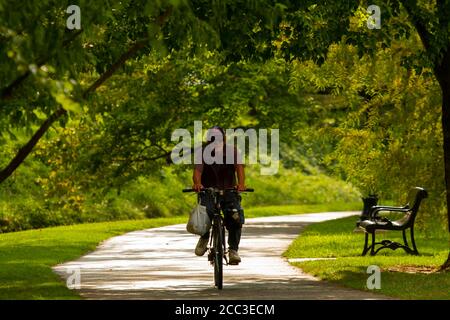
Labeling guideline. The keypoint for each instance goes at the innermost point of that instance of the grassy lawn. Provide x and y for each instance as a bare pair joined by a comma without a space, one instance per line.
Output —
334,239
300,208
26,257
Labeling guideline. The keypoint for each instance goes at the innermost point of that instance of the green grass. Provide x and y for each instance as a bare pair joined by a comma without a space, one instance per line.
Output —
26,257
334,239
301,208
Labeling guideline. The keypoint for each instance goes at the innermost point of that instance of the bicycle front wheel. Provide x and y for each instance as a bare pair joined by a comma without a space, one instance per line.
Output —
218,253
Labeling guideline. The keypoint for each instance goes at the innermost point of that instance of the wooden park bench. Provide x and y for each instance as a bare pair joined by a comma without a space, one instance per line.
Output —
375,222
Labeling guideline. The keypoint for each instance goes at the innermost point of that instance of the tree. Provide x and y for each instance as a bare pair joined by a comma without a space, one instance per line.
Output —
433,26
33,44
240,30
327,22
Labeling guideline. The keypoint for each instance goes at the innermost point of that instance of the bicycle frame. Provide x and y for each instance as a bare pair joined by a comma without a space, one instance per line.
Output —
217,223
217,244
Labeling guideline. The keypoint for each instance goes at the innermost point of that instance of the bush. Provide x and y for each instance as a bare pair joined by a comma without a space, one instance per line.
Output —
290,186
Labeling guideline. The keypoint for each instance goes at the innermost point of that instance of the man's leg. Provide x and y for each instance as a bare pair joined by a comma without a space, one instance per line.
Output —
234,237
234,219
202,244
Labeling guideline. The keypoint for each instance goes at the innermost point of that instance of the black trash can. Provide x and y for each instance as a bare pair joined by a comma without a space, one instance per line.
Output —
369,202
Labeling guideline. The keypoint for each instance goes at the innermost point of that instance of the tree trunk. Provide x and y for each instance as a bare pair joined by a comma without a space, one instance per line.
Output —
446,265
442,72
446,130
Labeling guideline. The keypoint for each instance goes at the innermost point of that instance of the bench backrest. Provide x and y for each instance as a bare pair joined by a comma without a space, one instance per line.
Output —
415,197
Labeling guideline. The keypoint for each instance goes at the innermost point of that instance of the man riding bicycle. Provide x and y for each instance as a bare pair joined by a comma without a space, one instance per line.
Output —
222,175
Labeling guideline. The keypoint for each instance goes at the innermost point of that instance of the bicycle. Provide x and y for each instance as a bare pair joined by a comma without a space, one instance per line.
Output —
217,252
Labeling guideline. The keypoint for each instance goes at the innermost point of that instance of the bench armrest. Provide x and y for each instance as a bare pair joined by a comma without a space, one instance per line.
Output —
376,209
385,207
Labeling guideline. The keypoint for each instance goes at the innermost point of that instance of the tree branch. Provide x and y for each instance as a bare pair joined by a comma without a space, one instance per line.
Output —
412,9
140,159
127,55
28,147
7,92
116,65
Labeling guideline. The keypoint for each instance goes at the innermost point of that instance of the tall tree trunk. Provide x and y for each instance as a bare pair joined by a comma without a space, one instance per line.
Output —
442,72
446,130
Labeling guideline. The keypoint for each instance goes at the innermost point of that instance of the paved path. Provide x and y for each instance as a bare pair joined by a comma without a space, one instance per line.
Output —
160,264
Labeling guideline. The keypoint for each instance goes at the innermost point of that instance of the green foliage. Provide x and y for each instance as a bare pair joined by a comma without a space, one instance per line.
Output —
384,123
43,65
57,197
356,102
290,186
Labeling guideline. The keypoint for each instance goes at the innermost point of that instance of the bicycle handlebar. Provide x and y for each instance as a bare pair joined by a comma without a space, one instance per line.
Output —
227,189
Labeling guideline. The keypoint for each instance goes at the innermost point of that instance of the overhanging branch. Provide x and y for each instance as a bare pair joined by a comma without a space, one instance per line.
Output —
28,147
412,10
8,91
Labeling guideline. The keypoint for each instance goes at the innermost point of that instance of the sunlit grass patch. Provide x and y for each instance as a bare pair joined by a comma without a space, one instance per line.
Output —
335,238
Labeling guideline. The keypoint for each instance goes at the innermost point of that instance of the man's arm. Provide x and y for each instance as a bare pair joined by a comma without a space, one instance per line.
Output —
240,170
197,177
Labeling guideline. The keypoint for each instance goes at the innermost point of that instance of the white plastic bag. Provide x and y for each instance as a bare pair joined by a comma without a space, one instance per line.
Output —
199,222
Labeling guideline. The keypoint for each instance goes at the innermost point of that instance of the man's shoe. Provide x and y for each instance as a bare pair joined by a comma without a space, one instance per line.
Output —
201,247
234,258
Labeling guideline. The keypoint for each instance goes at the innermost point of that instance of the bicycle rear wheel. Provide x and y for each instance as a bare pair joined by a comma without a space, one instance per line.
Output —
218,253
